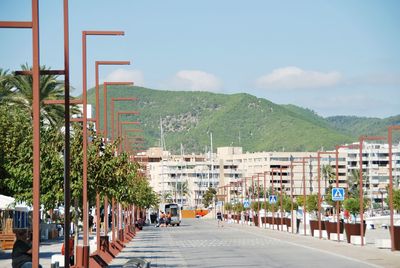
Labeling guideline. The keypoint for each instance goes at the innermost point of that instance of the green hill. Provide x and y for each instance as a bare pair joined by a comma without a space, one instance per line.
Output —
357,126
235,120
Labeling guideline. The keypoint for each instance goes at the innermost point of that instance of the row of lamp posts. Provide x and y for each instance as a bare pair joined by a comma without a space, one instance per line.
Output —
303,160
83,251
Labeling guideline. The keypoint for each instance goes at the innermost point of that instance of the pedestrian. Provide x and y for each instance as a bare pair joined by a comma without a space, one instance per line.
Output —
22,250
71,249
91,221
219,218
168,220
162,219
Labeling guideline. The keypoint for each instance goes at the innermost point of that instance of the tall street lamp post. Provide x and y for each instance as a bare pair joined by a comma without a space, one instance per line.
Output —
97,120
85,249
113,100
361,141
35,73
337,185
281,192
319,190
390,139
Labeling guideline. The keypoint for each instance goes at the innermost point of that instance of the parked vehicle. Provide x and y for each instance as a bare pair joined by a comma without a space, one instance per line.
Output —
175,211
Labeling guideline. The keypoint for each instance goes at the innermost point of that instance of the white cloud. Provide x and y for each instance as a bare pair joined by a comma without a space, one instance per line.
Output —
124,75
195,80
292,77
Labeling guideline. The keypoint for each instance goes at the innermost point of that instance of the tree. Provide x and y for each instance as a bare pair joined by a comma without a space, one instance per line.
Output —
353,181
352,205
287,203
5,86
50,89
209,197
312,203
238,207
228,207
396,199
328,174
183,188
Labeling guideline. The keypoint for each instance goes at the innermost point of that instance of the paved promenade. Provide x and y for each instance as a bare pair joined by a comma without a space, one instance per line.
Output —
200,243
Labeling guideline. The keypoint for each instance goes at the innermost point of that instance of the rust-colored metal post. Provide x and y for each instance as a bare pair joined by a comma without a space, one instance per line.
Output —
337,185
105,85
281,199
97,64
98,220
361,142
390,138
67,146
258,200
304,196
319,193
291,194
112,112
265,199
118,116
361,192
85,142
273,205
105,127
36,133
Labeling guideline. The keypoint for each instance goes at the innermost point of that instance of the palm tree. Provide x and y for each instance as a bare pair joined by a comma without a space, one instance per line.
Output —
5,86
353,182
50,89
328,174
166,197
183,189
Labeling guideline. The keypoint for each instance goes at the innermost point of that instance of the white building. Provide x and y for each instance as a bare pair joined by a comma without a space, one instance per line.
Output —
230,166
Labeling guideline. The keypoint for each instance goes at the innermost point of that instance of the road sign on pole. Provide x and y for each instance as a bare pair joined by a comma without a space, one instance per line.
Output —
272,199
337,194
246,203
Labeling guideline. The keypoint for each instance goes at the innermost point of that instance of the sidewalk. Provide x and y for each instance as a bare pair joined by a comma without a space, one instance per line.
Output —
146,245
368,254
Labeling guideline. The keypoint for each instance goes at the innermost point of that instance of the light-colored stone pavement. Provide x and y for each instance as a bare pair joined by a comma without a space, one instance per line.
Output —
200,243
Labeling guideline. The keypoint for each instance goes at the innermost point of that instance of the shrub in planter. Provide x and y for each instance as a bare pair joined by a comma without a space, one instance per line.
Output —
238,208
352,204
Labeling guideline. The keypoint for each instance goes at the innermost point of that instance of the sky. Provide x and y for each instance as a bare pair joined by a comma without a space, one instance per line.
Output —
335,57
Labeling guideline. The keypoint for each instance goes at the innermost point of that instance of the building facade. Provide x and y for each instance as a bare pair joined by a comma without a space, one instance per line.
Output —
185,178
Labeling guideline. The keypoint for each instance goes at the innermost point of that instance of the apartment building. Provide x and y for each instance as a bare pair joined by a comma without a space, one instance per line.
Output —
231,170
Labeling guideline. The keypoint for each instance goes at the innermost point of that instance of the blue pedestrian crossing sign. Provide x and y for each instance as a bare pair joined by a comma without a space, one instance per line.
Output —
337,194
246,203
272,199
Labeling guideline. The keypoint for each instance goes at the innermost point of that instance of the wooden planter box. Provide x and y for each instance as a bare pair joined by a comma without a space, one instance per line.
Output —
314,226
396,237
353,229
255,218
331,227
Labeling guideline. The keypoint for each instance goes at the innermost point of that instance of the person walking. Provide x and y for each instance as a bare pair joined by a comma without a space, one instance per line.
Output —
219,218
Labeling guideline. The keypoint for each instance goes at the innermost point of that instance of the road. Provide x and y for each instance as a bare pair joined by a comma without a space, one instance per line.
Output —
200,243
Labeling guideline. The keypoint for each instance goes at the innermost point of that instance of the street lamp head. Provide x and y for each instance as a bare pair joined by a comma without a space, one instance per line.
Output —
118,83
85,33
112,62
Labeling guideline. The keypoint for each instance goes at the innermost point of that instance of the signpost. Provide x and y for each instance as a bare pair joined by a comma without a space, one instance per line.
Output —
337,194
246,203
272,199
